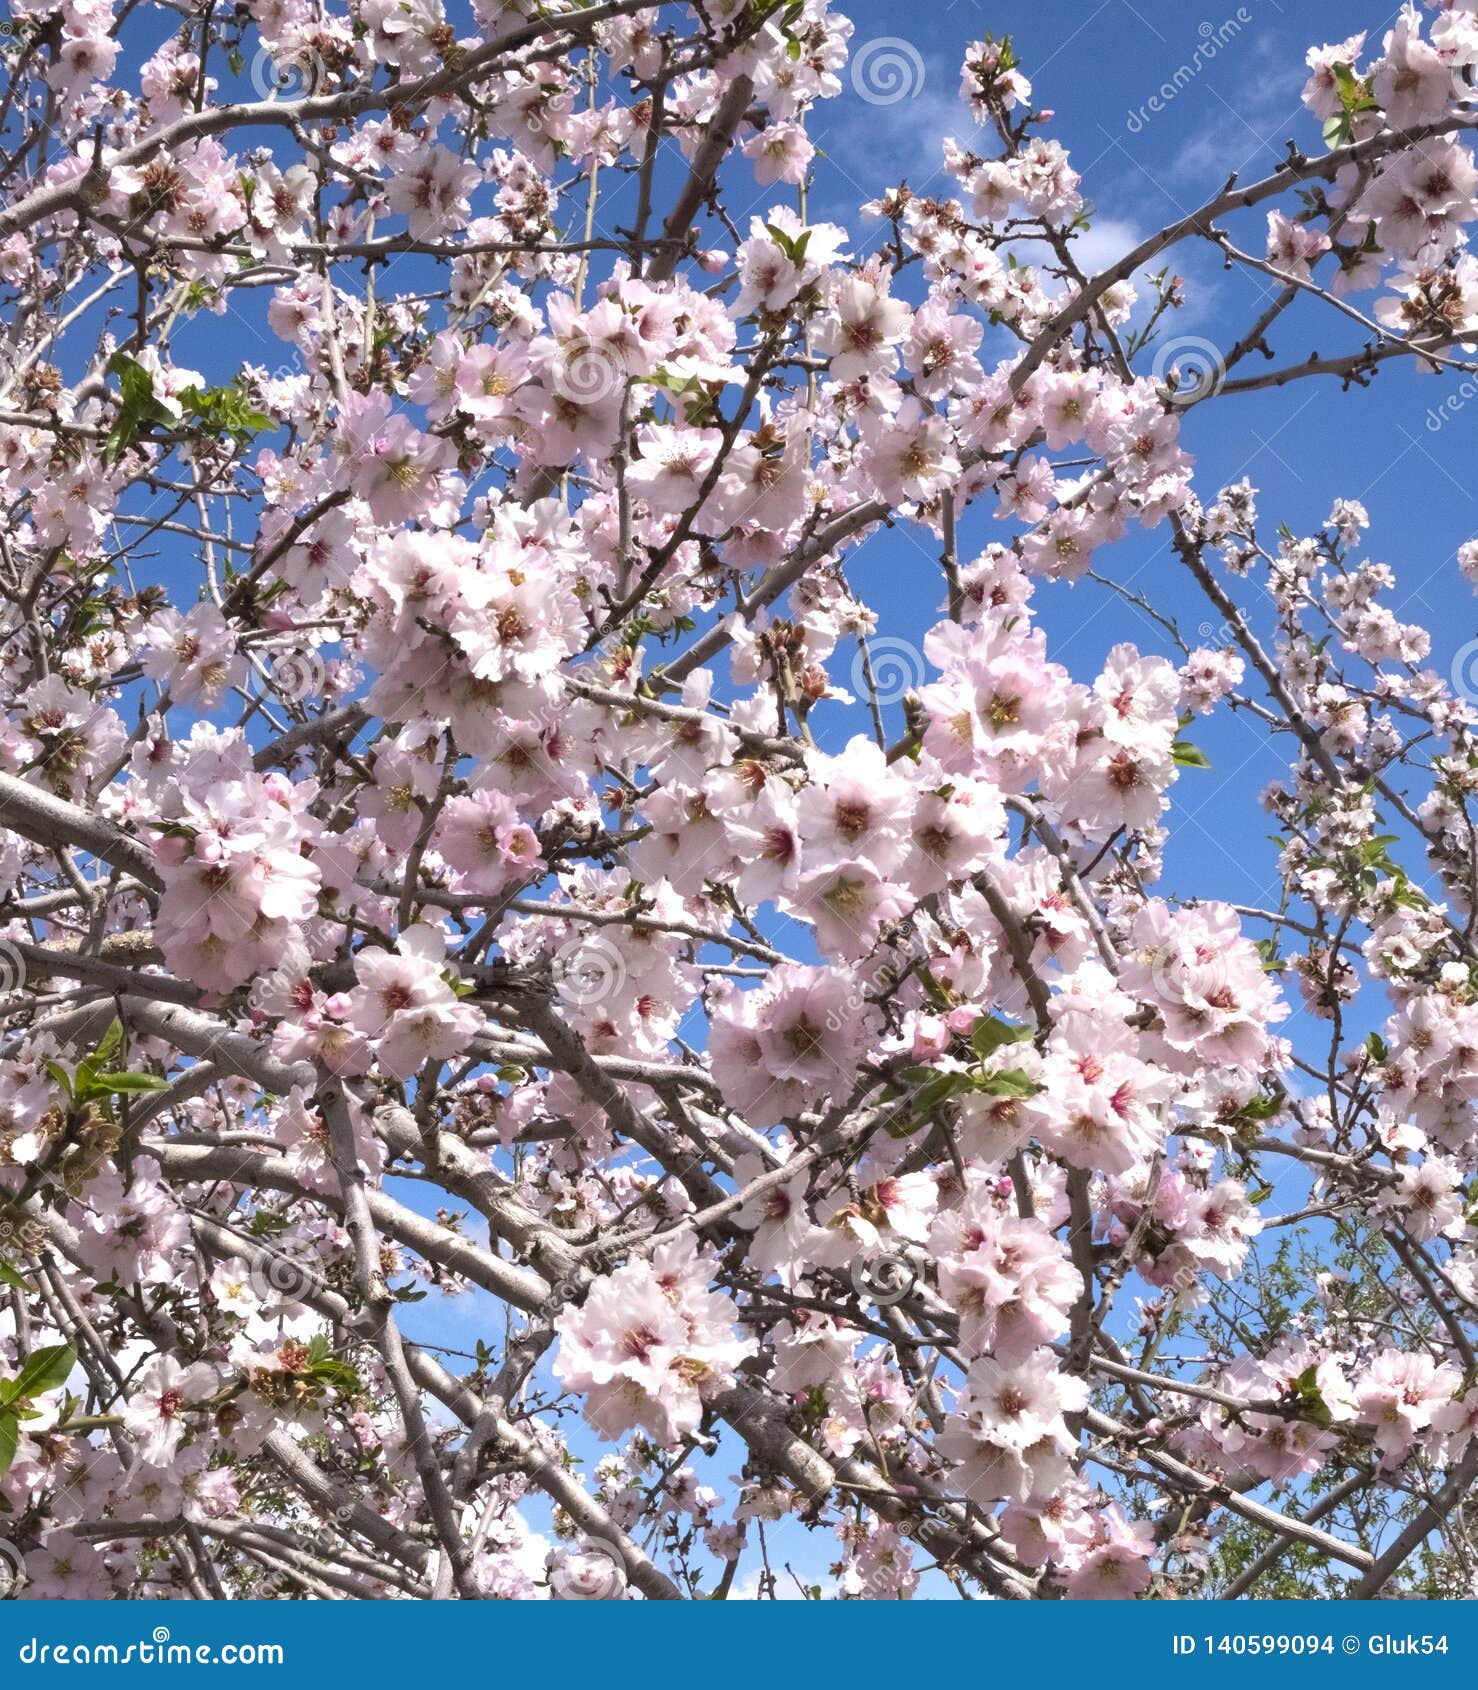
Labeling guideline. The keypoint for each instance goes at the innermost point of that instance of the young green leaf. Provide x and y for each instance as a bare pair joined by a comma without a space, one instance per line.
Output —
43,1370
989,1035
1007,1082
110,1083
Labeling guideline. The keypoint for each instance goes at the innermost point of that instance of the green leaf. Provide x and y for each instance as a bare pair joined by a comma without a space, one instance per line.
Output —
111,1047
1264,1106
60,1075
226,410
988,1036
131,1082
900,1122
793,246
95,1081
1354,96
1354,92
84,1081
339,1375
938,1087
87,618
324,1366
134,381
11,1276
1007,1082
1188,756
1272,962
10,1437
1310,1399
139,409
45,1370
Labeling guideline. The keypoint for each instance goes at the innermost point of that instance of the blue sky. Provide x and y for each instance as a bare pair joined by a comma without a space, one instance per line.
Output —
1097,66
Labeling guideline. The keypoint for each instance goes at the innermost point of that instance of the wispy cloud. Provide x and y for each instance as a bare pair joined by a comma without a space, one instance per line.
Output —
1238,108
873,141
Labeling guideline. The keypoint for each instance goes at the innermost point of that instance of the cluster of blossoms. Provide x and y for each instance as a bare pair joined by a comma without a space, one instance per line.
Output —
650,1343
238,884
486,855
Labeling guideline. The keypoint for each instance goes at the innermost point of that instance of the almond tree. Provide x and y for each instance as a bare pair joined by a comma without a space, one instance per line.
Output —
464,833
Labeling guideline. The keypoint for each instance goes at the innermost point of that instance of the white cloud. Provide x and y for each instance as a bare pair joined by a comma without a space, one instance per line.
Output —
873,145
1236,119
1105,243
